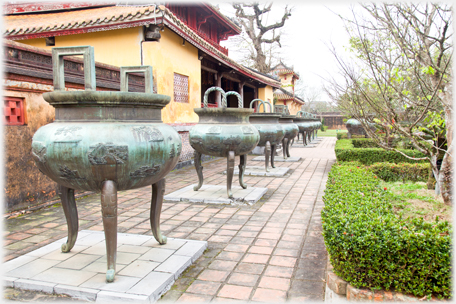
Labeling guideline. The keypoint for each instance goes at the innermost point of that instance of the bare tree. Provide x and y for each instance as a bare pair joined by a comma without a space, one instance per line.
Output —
250,15
401,78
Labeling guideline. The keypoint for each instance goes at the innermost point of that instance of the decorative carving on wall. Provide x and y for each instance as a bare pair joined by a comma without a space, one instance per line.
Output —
172,152
66,173
67,131
100,153
214,130
39,152
149,134
247,130
146,171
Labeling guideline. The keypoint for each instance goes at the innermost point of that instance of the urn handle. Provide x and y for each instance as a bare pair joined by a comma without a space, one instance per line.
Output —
206,94
240,103
89,66
148,77
264,105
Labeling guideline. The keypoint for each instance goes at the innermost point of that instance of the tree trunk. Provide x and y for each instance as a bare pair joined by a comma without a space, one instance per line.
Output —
445,176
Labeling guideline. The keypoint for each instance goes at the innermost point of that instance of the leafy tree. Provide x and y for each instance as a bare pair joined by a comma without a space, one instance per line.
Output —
258,34
400,78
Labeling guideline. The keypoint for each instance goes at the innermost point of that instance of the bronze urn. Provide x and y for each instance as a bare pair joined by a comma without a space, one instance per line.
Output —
105,142
223,132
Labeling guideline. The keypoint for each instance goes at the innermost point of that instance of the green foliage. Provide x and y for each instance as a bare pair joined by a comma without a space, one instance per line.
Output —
401,172
346,152
364,143
371,247
345,136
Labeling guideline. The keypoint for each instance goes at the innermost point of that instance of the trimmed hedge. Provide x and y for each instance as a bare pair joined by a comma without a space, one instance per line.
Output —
346,152
371,247
345,136
364,143
401,172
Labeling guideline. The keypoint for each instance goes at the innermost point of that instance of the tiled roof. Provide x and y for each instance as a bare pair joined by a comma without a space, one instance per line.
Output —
70,20
19,27
281,68
284,94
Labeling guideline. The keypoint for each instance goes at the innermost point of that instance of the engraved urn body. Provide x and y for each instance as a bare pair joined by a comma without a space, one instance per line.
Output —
99,136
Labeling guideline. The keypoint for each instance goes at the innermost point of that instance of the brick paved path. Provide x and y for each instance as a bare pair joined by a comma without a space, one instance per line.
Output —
268,252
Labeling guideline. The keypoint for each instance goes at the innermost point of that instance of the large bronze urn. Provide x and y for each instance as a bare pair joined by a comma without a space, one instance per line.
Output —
223,132
105,142
271,131
290,132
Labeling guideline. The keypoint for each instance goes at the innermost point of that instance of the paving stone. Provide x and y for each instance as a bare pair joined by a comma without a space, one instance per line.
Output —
290,159
175,264
85,294
34,285
261,171
290,209
213,194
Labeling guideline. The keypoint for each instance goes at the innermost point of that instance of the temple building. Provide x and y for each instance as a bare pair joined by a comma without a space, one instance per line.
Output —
181,42
285,95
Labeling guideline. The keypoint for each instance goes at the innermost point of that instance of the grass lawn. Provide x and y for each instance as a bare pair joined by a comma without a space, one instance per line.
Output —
330,133
415,200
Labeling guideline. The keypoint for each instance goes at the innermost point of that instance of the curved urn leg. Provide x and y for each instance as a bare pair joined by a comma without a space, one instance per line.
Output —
242,165
229,173
158,190
267,152
109,212
273,149
199,170
288,148
71,214
285,144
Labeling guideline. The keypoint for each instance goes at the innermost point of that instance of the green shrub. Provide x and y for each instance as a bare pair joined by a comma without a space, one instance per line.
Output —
389,172
345,136
364,143
371,247
346,152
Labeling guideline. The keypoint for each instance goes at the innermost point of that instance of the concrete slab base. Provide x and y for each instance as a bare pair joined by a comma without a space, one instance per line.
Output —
261,171
215,194
291,159
144,270
260,150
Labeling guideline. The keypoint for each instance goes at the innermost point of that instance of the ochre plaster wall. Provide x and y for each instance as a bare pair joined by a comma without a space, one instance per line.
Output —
123,48
168,57
117,47
24,184
266,94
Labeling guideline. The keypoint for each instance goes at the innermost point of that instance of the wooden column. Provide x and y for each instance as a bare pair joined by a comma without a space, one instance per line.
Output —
241,92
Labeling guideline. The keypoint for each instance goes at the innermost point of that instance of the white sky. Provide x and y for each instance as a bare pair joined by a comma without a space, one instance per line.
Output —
307,35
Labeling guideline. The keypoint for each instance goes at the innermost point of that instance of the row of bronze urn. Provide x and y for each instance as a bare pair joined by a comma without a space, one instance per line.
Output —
109,141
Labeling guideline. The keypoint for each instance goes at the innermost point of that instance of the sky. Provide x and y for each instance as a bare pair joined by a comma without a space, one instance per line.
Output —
306,37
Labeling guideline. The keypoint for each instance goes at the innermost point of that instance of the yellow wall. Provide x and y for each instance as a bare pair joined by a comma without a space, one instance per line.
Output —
123,48
117,47
293,107
266,94
168,57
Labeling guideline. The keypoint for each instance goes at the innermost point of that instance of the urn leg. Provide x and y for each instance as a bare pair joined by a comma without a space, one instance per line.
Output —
71,214
285,145
109,213
158,189
304,138
273,149
199,170
288,149
242,165
229,173
267,152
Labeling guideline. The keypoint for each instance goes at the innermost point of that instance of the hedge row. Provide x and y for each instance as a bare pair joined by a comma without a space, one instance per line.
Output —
371,247
346,152
345,136
401,172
